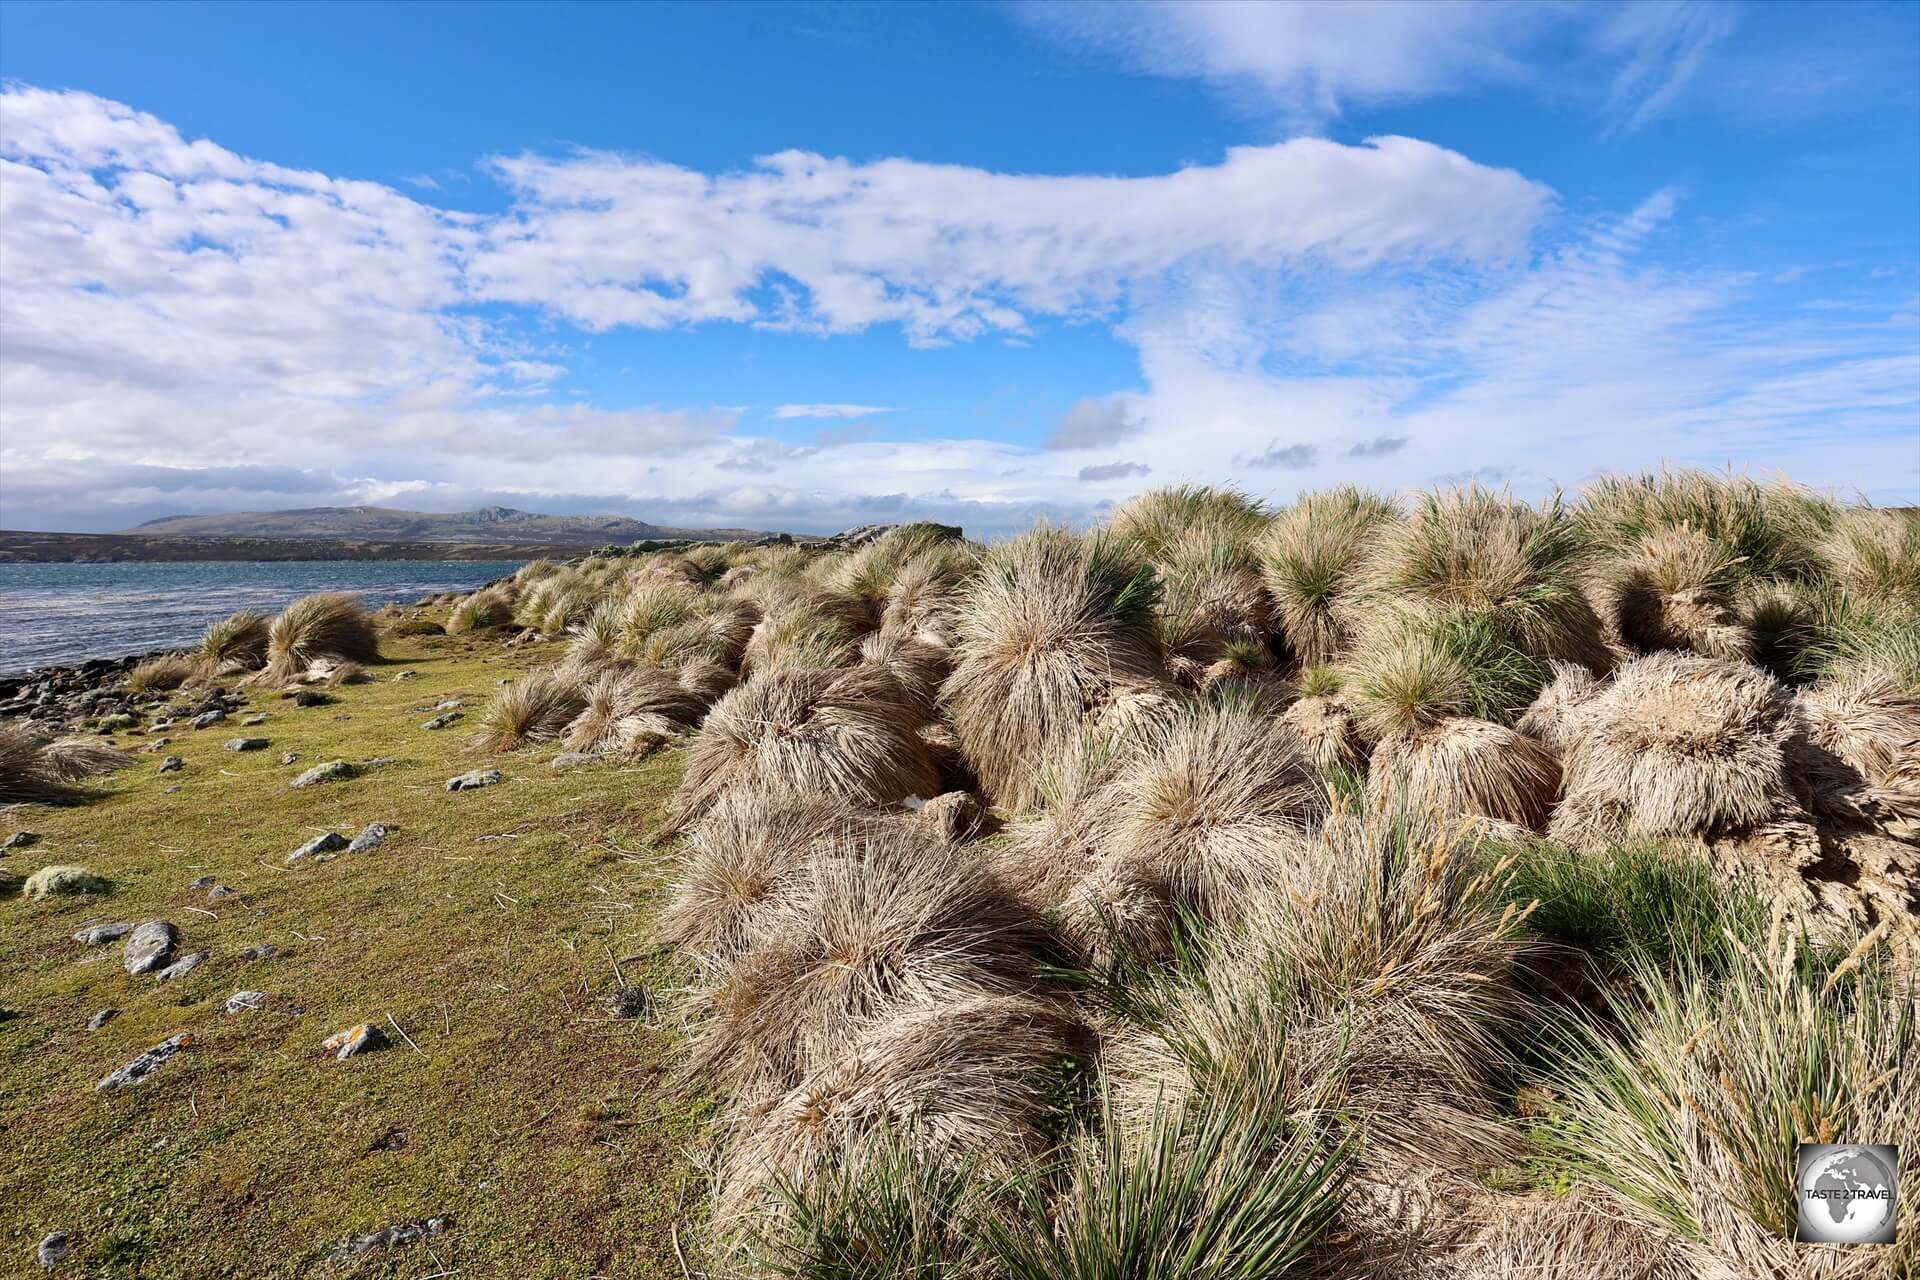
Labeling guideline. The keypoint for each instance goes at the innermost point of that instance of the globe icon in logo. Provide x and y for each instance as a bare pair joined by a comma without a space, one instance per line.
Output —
1847,1193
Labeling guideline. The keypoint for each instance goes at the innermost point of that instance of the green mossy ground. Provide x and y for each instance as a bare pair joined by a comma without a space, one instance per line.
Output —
487,927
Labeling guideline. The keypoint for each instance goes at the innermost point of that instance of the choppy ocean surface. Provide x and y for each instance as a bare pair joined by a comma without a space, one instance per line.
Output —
55,613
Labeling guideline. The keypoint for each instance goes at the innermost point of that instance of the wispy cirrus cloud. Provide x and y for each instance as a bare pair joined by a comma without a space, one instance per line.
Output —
1308,61
830,410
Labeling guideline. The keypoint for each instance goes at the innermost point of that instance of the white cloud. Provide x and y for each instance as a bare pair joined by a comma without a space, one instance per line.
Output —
830,410
804,241
1310,60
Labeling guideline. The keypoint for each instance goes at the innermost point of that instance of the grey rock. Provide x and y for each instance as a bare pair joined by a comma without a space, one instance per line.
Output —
244,1001
158,743
167,791
289,757
250,721
310,698
441,721
331,771
150,946
204,882
56,1246
144,1065
386,1237
21,840
265,951
220,891
477,778
101,1019
448,704
408,674
183,966
247,744
172,764
207,719
371,836
381,762
110,723
327,843
100,933
574,759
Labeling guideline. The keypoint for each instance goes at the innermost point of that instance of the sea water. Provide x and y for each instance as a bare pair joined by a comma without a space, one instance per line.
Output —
60,613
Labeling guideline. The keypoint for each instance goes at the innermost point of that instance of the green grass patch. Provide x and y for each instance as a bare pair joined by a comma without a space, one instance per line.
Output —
487,928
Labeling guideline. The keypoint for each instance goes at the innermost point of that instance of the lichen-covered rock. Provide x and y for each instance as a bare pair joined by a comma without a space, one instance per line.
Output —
328,843
183,966
331,771
94,935
386,1237
477,778
363,1037
244,1001
371,836
172,764
149,947
144,1065
247,744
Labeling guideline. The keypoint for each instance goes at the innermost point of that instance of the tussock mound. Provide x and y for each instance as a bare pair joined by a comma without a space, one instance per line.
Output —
1558,716
967,1080
1871,726
36,771
480,611
1053,624
750,844
849,734
1674,589
1465,768
536,708
1678,745
627,711
879,920
1324,724
326,625
1307,557
235,643
1214,808
919,666
1514,567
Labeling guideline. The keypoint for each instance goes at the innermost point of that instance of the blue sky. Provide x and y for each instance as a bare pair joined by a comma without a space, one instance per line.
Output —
801,266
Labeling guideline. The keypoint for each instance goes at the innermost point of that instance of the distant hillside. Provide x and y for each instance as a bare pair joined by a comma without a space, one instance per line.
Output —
491,525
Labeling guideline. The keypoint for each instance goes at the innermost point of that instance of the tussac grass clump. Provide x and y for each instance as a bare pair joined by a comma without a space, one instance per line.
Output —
1308,556
1692,1105
36,771
1678,745
325,625
1674,589
1151,524
160,675
480,611
236,643
846,733
881,920
966,1080
1053,626
1764,530
1515,567
535,708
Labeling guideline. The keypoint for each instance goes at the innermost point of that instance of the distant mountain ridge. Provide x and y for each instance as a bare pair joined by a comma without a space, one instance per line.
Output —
387,524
